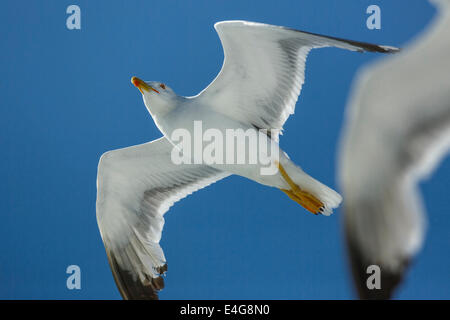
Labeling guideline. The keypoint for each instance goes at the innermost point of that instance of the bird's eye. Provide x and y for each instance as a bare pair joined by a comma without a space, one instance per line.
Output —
162,85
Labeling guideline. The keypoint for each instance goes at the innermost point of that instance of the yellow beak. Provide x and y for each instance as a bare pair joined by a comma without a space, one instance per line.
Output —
141,85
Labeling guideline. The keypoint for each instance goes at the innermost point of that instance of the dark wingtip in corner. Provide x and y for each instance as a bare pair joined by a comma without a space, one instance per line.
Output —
389,280
135,289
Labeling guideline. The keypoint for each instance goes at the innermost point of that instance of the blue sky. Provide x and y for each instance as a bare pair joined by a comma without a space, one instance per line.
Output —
66,97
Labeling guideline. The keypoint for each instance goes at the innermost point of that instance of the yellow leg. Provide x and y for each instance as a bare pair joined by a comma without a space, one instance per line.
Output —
305,199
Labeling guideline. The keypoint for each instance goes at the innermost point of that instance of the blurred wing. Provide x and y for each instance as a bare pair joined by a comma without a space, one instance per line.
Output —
263,70
135,187
397,131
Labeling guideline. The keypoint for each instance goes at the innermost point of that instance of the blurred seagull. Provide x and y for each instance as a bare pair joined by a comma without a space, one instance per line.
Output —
257,88
397,131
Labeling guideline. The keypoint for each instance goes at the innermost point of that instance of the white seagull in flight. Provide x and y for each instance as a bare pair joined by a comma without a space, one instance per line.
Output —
257,88
397,131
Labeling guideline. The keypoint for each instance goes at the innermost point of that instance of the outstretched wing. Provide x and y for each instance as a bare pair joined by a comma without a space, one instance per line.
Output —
135,187
397,131
263,70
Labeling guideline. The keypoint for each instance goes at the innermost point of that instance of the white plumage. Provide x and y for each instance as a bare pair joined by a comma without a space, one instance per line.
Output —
257,88
397,131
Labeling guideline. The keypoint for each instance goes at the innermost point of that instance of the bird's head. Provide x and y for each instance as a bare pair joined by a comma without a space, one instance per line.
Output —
158,98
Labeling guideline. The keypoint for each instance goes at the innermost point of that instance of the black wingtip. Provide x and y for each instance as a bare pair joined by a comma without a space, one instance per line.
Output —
361,46
388,49
369,47
134,289
389,280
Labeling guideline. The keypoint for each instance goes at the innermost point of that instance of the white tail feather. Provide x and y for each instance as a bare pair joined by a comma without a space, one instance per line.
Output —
330,198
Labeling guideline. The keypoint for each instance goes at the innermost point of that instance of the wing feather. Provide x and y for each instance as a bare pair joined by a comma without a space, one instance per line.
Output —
397,131
264,70
136,186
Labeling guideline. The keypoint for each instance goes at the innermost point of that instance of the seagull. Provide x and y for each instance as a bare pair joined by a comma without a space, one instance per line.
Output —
397,131
256,89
